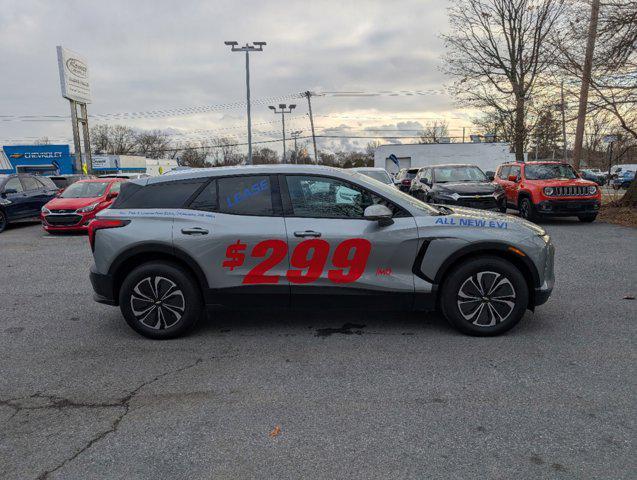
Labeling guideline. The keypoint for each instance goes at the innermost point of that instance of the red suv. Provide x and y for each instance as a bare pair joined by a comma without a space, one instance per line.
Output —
76,206
539,189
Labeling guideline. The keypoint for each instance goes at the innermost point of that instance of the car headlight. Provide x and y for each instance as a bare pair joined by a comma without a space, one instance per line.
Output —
592,190
546,237
88,208
5,201
45,210
548,191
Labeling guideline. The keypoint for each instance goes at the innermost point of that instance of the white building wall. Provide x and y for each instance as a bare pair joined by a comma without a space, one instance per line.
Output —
487,156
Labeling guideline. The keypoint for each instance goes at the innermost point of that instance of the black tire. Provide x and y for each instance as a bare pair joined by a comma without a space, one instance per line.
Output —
155,281
526,209
481,321
3,221
587,218
503,207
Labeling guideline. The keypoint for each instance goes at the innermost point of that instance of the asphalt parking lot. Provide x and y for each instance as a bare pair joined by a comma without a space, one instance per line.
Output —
319,394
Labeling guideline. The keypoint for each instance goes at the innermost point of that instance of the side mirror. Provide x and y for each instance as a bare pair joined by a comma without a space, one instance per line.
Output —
513,178
490,175
379,213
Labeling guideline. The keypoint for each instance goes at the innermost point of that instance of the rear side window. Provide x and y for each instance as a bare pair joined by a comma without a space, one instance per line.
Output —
30,183
158,195
246,195
47,182
207,199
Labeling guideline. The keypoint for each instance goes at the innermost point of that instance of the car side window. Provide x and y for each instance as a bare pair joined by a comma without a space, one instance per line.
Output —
504,172
426,174
246,195
13,184
46,183
30,183
515,170
324,197
115,187
159,195
207,198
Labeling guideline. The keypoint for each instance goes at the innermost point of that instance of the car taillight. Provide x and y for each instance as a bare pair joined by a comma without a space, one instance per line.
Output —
101,224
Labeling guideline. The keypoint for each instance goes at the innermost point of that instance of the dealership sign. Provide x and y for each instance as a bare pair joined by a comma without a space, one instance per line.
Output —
74,76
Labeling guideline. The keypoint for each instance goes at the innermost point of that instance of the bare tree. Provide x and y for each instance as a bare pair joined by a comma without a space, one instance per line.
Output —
194,154
435,131
264,156
113,139
497,51
152,144
224,151
43,141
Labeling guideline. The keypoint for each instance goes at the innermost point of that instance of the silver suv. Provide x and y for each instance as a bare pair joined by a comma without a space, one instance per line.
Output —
309,237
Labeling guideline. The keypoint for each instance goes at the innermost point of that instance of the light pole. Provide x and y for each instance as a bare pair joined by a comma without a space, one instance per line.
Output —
255,47
283,109
295,135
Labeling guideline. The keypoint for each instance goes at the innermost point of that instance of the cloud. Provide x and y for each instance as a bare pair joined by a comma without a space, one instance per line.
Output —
161,54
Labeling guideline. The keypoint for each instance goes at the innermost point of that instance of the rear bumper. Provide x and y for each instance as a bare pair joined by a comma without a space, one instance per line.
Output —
103,286
568,208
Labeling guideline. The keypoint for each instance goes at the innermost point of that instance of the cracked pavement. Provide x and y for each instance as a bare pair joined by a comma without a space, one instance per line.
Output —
356,395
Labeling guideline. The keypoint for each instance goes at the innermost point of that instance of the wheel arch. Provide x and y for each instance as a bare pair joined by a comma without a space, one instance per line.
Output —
502,250
525,194
130,259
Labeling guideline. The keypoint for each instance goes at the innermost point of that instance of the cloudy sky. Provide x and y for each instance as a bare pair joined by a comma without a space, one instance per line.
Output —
159,55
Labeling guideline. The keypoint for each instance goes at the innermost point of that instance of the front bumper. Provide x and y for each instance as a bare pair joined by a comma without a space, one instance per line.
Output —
566,208
103,288
71,222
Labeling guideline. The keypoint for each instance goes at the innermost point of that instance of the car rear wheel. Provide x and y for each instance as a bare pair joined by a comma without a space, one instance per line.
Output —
587,218
160,300
526,209
3,221
484,296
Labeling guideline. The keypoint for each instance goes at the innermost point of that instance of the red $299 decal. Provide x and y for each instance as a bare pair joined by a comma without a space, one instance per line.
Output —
308,260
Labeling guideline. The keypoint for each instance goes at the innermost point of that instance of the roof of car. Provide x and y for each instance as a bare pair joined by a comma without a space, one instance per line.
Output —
242,170
101,180
451,165
359,169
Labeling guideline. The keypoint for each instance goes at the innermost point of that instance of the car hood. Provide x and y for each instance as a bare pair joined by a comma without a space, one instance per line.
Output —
487,216
467,188
562,182
71,203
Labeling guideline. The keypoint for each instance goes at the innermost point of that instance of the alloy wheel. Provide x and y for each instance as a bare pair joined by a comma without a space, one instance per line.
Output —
486,299
157,302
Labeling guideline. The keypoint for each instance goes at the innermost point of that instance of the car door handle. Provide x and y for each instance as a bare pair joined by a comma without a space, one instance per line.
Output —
307,233
194,231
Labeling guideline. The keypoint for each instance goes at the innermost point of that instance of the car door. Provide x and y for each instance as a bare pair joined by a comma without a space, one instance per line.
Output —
16,203
33,190
234,229
503,179
512,195
47,191
339,258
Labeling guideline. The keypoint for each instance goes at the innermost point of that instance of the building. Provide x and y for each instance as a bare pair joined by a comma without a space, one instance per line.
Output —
487,156
103,164
39,159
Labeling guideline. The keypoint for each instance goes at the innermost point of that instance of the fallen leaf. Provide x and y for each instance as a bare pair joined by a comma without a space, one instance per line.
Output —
276,432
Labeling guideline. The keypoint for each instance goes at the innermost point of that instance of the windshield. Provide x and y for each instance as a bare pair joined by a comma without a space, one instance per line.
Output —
379,175
85,190
459,174
548,171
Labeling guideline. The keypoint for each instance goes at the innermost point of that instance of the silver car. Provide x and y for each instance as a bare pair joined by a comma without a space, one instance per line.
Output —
309,237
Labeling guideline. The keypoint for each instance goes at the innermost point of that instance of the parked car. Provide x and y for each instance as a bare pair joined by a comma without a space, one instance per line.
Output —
77,205
461,185
309,236
587,174
22,195
623,180
404,177
539,189
63,181
379,174
128,176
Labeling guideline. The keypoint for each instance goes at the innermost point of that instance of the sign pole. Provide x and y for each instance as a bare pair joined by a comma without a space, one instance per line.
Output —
87,141
76,137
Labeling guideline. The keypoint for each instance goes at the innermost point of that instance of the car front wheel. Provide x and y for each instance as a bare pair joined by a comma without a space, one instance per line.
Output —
3,221
484,296
526,209
160,300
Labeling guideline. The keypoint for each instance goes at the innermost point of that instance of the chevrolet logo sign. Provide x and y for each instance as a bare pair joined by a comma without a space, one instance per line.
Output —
17,155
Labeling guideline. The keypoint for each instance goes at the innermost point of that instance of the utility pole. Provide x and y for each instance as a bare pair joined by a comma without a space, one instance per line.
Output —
308,94
283,110
295,136
586,80
255,47
563,109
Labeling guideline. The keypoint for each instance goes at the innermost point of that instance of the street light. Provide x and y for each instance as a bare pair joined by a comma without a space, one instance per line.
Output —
283,109
255,47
